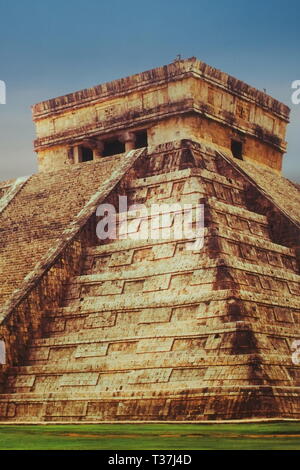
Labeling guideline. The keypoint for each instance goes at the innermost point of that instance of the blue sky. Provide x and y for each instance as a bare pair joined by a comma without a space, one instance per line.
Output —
49,48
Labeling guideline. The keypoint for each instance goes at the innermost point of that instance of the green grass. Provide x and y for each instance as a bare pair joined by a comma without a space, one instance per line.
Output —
279,436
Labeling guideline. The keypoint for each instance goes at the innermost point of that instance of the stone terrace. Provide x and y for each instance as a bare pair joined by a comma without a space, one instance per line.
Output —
145,329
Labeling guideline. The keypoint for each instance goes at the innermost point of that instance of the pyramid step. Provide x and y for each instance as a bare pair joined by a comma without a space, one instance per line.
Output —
124,291
130,255
177,185
149,226
217,205
193,351
151,405
157,321
174,256
86,396
94,357
117,395
166,221
166,261
213,313
164,298
106,313
148,378
119,362
213,304
141,338
135,331
222,240
256,250
226,271
182,175
148,302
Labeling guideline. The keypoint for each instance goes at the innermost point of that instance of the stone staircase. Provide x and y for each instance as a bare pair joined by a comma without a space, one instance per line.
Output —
152,331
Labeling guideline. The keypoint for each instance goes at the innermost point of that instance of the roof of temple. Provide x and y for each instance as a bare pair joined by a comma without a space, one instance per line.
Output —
174,71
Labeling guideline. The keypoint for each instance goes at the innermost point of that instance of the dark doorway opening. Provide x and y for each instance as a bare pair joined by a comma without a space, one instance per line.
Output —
86,154
141,139
113,147
237,149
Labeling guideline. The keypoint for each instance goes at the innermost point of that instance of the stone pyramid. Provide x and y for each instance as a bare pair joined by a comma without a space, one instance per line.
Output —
142,328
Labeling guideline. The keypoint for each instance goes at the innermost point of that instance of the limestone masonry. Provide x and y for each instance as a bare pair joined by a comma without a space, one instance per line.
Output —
144,329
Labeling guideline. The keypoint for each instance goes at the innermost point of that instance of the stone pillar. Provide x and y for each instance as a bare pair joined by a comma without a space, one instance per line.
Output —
129,140
92,144
98,150
76,154
70,153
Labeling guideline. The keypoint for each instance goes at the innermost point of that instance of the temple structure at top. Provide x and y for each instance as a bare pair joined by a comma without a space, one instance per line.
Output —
186,99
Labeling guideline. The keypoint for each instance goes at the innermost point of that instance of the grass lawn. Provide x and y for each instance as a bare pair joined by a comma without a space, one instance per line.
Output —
279,436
